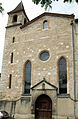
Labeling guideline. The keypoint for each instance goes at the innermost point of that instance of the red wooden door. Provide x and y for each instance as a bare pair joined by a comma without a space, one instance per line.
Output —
43,108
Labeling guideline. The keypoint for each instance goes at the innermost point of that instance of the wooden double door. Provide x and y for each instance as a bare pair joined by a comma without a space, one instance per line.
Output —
43,107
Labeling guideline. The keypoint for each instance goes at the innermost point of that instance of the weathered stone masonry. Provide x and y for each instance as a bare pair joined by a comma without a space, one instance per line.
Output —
30,39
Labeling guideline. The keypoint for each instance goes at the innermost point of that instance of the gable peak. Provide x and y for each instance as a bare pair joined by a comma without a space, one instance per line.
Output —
18,8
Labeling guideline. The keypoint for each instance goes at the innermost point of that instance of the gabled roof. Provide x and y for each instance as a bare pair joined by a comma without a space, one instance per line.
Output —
19,8
46,82
48,14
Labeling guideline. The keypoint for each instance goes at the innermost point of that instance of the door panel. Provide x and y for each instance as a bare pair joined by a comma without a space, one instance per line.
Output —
43,108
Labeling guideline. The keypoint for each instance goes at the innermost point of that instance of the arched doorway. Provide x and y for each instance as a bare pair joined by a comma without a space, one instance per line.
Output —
43,107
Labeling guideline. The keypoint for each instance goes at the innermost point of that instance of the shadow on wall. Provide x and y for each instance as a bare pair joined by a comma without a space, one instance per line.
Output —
4,106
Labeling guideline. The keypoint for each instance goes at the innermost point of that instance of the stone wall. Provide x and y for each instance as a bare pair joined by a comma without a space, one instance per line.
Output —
29,43
22,108
56,39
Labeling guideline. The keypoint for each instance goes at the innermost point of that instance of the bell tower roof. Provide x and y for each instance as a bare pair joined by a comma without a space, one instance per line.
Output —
19,8
17,16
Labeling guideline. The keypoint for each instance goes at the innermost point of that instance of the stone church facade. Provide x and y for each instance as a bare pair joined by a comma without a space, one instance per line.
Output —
39,78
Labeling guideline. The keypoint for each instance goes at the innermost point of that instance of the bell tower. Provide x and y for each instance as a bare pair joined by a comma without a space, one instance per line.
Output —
17,16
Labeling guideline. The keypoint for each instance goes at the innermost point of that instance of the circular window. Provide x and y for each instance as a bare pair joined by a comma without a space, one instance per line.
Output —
44,55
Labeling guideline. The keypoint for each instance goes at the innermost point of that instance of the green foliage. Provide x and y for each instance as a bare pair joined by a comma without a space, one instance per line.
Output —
47,3
1,9
71,1
44,3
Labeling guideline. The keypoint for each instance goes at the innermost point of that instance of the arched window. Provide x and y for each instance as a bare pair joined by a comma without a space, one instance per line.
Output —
14,18
62,76
45,24
27,84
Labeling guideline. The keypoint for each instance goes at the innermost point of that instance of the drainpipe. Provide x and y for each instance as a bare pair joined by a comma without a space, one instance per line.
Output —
73,55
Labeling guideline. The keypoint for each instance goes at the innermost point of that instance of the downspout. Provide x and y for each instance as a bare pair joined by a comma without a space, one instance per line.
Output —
73,57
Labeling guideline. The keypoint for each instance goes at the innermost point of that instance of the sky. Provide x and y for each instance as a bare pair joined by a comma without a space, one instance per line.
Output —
32,11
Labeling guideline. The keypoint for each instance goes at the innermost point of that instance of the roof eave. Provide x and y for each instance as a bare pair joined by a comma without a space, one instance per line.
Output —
44,81
48,14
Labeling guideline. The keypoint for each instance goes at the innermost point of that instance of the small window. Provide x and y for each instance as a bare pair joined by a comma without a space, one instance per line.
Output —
24,20
12,57
45,24
10,79
13,40
44,55
15,18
